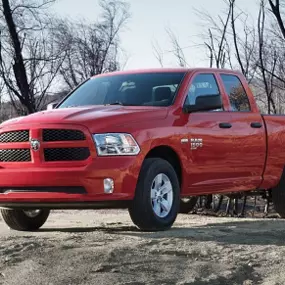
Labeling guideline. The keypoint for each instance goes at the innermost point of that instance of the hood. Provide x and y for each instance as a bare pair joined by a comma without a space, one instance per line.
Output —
107,115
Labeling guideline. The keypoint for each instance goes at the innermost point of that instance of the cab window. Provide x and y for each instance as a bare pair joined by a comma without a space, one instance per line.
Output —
202,85
236,92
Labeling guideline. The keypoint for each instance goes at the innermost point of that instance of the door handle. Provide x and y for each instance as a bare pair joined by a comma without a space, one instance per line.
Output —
256,125
225,125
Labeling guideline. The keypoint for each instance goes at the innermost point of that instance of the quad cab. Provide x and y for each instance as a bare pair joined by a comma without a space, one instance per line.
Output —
143,140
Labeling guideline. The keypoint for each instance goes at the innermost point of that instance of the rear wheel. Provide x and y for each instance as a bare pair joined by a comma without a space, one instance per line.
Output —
156,201
25,220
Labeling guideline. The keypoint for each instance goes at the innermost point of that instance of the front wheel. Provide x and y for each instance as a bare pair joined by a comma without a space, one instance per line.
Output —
156,201
25,220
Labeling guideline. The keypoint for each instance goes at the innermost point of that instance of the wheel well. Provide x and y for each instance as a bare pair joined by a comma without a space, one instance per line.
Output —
168,154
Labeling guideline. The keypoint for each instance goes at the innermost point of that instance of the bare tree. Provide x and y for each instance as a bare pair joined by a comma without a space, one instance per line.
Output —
28,61
255,53
158,53
177,50
227,47
267,78
275,9
91,48
215,38
245,42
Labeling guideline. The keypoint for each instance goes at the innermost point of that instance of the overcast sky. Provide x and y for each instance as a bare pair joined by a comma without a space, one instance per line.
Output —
148,22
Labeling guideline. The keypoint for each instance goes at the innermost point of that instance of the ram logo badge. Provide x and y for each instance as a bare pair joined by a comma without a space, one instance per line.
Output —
35,144
196,143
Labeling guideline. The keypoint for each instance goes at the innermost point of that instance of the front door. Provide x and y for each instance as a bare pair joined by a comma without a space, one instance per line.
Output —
212,152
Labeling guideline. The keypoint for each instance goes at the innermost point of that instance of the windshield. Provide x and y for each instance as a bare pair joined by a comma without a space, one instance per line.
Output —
146,89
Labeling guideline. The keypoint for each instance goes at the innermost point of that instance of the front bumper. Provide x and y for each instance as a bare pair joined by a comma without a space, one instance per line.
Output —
73,184
69,185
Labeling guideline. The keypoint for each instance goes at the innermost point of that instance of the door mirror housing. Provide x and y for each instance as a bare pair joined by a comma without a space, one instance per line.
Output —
205,103
52,105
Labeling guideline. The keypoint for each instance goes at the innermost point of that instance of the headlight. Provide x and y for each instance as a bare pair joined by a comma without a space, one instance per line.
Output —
115,144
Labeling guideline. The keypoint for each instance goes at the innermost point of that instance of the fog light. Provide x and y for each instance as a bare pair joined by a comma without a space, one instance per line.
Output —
108,186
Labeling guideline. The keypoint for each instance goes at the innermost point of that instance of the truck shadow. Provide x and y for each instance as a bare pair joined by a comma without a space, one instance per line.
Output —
251,232
241,233
119,229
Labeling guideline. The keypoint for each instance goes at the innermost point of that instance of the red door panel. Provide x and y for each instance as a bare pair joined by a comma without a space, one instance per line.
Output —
212,165
250,148
230,159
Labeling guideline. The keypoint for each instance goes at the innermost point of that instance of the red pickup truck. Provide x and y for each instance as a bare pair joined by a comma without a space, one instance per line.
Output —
141,140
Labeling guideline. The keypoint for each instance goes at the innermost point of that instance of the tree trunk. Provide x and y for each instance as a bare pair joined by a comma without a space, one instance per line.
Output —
19,66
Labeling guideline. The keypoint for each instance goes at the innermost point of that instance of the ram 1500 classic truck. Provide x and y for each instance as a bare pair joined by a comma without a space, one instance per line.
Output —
141,140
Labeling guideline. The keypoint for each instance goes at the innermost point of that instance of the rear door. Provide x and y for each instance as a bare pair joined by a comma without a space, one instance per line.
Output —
212,152
248,131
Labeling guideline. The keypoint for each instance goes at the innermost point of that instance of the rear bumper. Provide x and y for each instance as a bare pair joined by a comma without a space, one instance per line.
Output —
69,187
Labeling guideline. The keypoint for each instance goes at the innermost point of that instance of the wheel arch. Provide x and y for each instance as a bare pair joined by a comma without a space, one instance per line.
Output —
169,154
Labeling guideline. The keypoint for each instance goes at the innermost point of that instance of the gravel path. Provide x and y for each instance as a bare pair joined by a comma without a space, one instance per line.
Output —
103,247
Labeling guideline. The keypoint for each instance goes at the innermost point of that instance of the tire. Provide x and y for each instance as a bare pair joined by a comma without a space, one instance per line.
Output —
278,196
144,206
188,204
21,220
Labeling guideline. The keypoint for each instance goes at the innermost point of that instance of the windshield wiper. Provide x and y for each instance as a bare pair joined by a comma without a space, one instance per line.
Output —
116,103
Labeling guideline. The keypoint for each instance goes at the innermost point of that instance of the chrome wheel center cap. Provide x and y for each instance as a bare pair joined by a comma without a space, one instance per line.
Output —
161,195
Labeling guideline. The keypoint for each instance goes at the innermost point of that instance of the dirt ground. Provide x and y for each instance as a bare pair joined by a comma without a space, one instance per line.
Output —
103,247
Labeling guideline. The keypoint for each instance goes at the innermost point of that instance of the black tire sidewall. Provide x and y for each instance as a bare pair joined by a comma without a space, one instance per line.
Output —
17,220
150,169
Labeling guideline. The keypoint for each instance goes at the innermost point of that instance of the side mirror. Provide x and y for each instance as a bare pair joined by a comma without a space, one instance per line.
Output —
205,103
52,105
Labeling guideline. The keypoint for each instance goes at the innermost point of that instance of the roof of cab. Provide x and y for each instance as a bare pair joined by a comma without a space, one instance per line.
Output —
167,70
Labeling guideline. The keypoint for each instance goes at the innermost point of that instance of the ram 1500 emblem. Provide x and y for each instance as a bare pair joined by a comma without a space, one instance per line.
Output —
35,144
196,143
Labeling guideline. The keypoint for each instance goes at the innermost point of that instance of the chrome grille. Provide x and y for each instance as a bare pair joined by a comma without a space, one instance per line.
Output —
14,136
